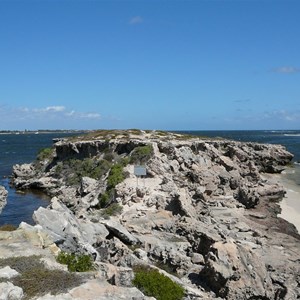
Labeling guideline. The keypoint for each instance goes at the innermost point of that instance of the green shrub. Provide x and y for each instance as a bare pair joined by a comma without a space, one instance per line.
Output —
141,154
75,169
113,209
154,284
104,200
115,176
45,153
124,161
76,263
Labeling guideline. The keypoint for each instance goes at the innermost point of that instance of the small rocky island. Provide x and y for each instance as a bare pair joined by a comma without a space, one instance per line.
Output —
204,216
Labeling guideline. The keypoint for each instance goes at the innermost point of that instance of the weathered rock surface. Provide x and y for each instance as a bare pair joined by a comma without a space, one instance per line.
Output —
3,196
203,212
10,292
8,272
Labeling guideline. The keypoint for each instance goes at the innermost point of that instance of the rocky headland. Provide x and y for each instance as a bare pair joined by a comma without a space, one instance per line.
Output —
204,215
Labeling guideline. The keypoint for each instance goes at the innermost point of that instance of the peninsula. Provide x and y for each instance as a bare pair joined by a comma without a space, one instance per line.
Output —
203,215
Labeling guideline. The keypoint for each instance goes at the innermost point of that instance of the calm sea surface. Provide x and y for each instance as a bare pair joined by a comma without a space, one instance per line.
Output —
17,149
22,148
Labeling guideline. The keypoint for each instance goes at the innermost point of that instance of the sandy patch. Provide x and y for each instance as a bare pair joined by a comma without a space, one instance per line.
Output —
290,204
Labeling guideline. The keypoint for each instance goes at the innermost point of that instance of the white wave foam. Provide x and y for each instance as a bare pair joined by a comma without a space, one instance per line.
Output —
291,134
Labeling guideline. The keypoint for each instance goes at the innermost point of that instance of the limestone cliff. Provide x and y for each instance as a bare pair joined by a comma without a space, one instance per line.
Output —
203,213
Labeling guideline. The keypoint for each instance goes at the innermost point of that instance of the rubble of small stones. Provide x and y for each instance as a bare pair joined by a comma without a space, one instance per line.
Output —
204,215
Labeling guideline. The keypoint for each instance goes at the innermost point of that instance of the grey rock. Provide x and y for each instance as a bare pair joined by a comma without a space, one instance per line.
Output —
115,227
8,272
8,291
3,196
66,230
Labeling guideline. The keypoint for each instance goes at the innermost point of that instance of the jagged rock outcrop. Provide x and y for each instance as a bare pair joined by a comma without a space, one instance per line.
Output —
70,233
3,196
203,211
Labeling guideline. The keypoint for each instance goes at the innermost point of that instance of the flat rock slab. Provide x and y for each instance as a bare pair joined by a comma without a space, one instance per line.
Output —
20,243
99,290
120,231
8,272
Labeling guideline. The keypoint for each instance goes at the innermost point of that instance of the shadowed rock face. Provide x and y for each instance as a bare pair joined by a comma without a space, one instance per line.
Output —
203,212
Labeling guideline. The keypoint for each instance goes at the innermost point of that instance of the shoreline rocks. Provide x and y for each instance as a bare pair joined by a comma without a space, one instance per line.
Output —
203,212
3,196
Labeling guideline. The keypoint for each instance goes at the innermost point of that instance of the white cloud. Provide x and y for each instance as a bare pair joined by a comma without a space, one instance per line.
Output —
55,108
70,113
53,112
90,115
49,109
82,115
287,115
136,20
287,70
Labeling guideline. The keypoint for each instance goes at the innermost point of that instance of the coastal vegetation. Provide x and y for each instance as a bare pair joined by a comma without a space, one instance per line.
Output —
31,270
116,176
8,227
154,284
141,154
45,153
76,263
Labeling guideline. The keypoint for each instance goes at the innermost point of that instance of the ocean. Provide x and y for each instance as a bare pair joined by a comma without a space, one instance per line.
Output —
18,149
23,148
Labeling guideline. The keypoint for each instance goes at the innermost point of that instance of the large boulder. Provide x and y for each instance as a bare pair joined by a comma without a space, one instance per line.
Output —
70,233
235,272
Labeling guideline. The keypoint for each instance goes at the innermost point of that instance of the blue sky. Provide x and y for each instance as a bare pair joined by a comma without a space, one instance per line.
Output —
155,64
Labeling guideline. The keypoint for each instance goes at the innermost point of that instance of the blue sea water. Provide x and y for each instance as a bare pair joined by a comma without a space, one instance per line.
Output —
18,149
22,148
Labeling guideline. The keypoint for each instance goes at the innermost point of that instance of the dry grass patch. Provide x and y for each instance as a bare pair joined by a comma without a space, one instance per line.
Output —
36,280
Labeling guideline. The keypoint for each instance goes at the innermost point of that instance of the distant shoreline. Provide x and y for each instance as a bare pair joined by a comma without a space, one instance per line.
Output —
17,132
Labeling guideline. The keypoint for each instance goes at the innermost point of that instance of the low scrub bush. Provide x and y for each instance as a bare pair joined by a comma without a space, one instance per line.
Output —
8,227
36,280
113,209
116,175
141,154
154,284
75,169
76,263
45,153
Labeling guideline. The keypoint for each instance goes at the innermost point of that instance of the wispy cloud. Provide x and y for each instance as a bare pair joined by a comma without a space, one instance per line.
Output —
48,109
80,115
287,70
57,111
136,20
283,115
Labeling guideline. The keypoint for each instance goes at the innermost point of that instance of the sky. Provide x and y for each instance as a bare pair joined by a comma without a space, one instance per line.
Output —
150,64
